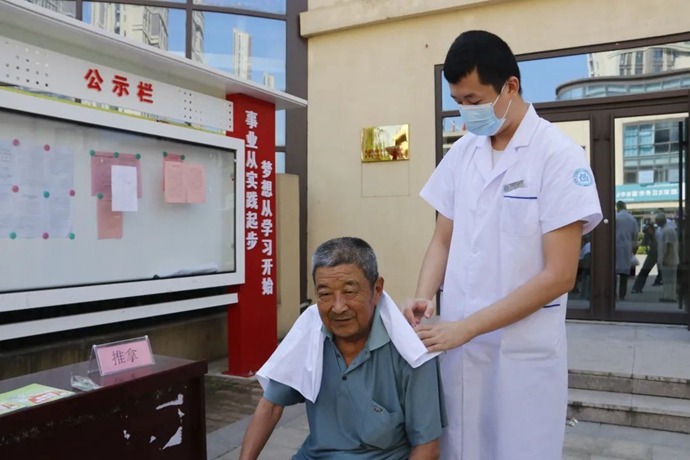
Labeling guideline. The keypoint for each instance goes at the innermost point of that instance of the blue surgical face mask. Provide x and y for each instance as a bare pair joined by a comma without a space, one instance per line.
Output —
481,120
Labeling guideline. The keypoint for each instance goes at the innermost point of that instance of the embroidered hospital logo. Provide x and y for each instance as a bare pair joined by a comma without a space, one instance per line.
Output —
582,177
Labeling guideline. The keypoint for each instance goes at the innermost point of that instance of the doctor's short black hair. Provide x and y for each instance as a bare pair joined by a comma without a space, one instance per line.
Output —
346,251
484,51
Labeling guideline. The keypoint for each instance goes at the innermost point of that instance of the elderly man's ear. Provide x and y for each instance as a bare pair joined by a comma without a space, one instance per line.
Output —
378,290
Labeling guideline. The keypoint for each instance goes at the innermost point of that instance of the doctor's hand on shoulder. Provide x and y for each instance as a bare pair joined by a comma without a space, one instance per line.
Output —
444,336
415,310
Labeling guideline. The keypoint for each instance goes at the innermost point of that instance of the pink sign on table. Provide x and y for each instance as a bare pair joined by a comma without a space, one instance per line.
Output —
125,355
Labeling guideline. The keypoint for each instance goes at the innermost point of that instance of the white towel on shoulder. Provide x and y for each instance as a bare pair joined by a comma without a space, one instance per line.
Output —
298,360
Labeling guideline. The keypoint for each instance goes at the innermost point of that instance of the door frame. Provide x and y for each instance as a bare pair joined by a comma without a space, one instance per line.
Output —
601,114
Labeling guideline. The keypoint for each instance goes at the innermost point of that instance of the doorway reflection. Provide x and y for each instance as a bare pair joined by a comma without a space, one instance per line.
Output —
648,196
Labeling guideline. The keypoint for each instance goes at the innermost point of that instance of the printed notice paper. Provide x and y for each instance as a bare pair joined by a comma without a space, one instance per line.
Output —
184,183
129,159
109,221
30,395
174,182
124,188
8,165
172,158
195,183
29,210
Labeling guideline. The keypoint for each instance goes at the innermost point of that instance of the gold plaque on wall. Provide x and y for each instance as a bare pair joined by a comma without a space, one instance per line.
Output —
386,143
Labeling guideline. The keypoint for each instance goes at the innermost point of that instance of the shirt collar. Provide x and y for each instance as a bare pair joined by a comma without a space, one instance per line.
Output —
378,336
523,135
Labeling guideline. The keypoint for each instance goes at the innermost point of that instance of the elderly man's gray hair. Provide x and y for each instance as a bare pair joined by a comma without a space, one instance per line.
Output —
346,251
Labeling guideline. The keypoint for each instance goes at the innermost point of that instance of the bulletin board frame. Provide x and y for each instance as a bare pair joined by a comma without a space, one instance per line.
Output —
20,102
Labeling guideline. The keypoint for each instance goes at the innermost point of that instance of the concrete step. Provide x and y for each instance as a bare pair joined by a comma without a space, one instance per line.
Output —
667,387
640,411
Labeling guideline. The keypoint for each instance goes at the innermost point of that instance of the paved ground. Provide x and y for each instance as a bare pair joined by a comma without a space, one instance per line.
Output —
229,400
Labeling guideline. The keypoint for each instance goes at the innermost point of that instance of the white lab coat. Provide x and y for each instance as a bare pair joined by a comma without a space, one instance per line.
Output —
506,392
627,231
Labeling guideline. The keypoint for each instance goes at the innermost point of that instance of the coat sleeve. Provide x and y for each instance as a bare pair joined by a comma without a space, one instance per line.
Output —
439,190
568,191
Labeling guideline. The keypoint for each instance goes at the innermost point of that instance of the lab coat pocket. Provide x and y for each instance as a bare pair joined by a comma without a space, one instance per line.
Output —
520,212
535,337
379,427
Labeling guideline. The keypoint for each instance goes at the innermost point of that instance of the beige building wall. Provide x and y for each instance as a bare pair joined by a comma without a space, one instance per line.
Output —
383,74
287,247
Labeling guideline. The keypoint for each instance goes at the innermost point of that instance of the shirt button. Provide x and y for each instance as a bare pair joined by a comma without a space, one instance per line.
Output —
344,377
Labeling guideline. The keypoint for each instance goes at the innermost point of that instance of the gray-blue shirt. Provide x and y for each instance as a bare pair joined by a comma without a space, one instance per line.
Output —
377,408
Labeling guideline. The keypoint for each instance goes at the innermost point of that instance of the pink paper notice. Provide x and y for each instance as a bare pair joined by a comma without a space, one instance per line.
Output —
123,356
101,165
109,222
171,158
195,183
174,175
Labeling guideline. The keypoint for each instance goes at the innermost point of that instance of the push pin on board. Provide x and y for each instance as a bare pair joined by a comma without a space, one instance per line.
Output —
46,194
15,188
182,157
46,236
15,142
116,154
46,148
138,156
72,193
100,196
92,153
72,236
13,235
165,154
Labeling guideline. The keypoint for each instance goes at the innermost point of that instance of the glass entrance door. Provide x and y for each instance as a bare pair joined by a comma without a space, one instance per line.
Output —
648,158
638,151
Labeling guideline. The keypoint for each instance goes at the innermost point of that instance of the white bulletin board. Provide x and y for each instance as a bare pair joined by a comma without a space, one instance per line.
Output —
67,255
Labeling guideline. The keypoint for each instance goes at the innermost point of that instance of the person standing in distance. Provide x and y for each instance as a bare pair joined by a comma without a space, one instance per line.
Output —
524,195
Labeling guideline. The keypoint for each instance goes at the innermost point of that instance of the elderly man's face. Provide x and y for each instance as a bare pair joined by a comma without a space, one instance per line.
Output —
346,300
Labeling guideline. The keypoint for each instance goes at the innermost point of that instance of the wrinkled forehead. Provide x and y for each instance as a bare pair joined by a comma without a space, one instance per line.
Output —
339,276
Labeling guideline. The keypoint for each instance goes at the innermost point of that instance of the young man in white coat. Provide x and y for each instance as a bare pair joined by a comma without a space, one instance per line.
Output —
524,195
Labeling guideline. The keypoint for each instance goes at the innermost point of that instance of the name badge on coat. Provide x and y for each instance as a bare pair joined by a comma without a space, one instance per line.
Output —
514,186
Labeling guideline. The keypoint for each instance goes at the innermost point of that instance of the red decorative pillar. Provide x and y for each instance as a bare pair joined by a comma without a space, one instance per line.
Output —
253,321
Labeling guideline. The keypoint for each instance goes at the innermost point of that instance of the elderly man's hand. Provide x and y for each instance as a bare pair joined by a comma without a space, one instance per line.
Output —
444,336
417,309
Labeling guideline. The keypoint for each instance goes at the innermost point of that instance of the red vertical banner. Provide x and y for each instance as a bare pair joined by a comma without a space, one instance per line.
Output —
253,321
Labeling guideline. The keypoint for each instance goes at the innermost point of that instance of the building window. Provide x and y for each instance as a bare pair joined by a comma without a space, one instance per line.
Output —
651,147
604,74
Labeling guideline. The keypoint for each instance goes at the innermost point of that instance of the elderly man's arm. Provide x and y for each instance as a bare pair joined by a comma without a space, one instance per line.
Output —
425,414
428,451
268,412
261,427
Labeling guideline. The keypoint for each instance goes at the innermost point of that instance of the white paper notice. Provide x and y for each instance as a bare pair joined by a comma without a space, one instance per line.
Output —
59,216
60,172
124,187
32,170
28,206
6,214
8,165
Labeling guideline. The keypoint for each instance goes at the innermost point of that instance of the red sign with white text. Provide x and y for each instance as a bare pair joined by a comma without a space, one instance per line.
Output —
253,322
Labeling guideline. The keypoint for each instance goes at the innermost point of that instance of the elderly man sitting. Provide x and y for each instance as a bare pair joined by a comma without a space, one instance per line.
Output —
371,389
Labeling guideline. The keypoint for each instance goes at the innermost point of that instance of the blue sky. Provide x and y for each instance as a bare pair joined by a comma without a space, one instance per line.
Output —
539,78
